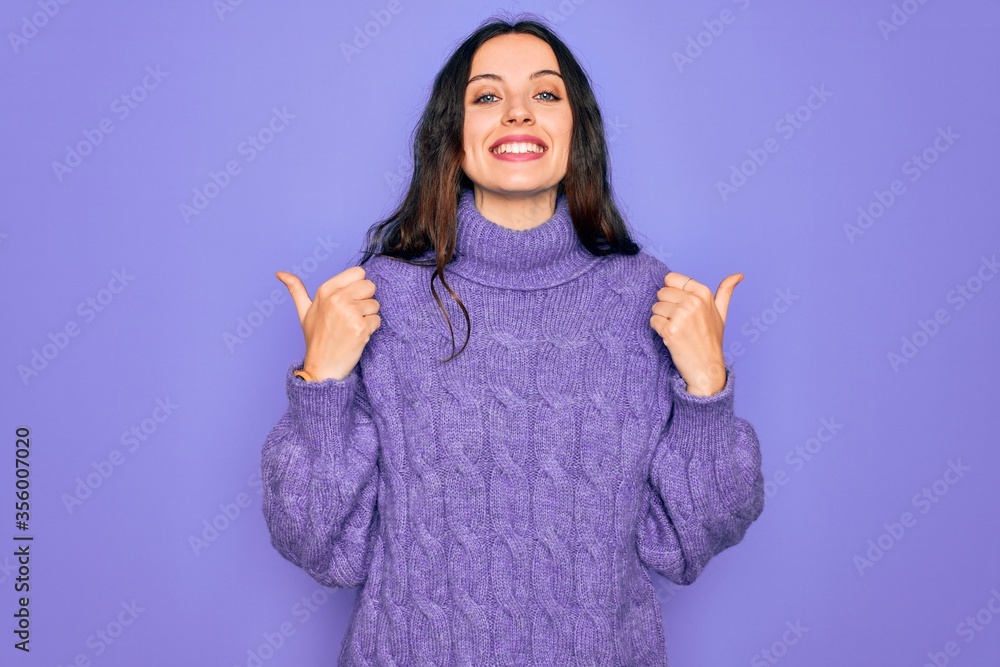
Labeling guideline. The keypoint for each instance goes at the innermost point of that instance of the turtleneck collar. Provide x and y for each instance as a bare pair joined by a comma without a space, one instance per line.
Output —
543,256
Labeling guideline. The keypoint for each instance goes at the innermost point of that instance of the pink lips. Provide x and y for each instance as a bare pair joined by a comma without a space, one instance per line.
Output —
518,138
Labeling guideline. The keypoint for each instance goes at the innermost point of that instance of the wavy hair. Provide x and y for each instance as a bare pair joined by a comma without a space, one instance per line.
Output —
426,218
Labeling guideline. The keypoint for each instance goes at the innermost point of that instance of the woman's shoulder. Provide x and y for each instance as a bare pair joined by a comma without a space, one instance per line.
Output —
394,268
401,287
640,271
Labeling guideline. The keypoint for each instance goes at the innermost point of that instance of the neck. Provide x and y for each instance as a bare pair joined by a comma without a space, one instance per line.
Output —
519,212
544,255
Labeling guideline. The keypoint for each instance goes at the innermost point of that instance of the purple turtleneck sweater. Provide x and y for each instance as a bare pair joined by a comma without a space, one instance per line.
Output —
501,508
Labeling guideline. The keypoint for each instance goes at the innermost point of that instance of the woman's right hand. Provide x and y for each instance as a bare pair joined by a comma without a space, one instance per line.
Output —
338,323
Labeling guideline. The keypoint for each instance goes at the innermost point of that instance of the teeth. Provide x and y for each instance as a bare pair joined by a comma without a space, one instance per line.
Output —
520,147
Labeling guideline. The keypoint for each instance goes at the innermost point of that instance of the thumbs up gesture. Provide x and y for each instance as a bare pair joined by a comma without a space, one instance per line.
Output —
338,323
691,320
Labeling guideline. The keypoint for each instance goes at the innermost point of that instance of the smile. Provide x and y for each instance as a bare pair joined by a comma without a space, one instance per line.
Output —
517,147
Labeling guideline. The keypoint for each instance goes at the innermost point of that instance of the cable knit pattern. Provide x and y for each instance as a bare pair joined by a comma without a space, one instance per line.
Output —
501,508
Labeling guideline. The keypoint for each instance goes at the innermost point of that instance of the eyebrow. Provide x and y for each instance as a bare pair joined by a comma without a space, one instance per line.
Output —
497,77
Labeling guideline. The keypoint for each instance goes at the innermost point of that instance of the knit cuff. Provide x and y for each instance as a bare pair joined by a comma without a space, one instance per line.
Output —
701,422
320,410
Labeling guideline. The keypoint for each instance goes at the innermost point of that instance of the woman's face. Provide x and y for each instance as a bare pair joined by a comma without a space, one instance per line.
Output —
515,89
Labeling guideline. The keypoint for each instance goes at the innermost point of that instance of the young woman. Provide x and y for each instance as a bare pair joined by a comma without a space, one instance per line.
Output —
500,506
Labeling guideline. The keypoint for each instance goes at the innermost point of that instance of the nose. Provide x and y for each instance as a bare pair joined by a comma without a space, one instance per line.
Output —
517,111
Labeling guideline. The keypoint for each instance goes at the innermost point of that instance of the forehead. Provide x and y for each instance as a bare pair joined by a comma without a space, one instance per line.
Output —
513,54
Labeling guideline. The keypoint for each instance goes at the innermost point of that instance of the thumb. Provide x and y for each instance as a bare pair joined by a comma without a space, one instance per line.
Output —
725,293
298,291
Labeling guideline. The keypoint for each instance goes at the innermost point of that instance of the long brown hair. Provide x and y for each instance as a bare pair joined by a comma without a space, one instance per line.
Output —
426,219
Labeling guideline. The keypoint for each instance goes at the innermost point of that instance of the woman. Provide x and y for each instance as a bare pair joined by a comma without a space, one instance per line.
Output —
500,506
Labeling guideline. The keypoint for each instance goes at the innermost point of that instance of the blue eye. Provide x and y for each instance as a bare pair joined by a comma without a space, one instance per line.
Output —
552,97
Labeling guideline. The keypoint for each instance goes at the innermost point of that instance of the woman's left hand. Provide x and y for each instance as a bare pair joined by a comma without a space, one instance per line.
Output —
691,320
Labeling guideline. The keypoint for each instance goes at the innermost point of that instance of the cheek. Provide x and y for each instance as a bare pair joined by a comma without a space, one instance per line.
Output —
567,130
561,129
472,140
566,138
468,147
474,126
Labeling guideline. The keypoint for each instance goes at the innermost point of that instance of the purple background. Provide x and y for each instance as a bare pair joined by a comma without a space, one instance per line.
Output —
810,330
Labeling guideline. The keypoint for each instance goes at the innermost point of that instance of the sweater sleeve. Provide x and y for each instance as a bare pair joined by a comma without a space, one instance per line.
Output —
319,466
705,485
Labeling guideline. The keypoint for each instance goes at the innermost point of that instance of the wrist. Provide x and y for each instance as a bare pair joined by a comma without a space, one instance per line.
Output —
708,380
704,390
305,375
311,373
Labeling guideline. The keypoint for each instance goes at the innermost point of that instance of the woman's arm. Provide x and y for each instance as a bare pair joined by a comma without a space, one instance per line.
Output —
320,475
705,485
